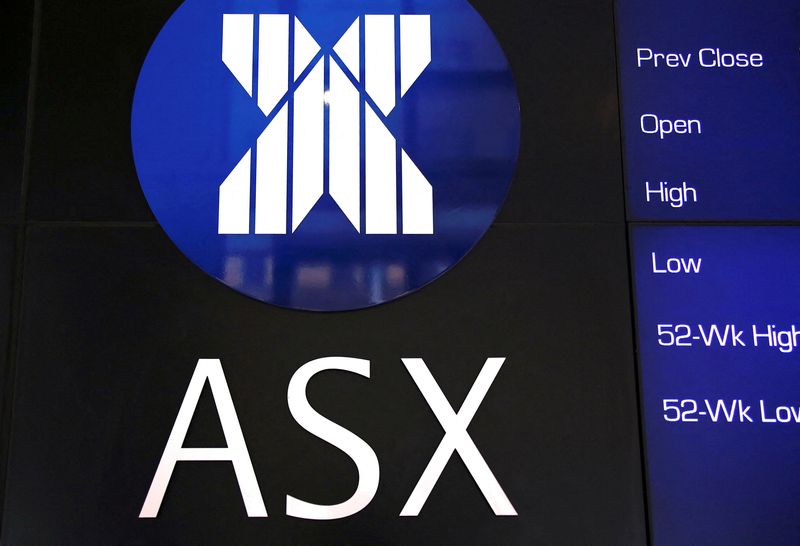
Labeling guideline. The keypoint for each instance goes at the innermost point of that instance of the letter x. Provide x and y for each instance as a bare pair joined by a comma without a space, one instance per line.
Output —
456,438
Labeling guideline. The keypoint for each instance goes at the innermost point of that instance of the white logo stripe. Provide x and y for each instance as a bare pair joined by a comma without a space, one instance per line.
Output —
234,200
381,173
379,61
415,49
305,48
309,141
273,60
237,48
271,172
345,148
417,200
347,48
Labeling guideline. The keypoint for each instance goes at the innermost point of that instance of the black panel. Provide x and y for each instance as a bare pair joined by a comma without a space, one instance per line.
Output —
15,55
109,344
91,53
8,234
7,245
562,55
563,58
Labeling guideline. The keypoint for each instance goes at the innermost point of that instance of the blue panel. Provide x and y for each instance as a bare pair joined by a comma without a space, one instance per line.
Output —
745,163
737,482
193,122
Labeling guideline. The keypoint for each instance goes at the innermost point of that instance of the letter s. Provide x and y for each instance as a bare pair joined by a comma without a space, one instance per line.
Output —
357,449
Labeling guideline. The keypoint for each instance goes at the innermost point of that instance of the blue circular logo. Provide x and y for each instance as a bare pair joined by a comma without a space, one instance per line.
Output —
324,155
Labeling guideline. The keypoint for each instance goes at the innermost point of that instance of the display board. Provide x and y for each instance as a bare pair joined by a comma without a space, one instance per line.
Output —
718,337
710,98
569,316
710,103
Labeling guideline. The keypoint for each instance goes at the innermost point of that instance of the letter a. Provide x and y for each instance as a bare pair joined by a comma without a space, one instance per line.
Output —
236,452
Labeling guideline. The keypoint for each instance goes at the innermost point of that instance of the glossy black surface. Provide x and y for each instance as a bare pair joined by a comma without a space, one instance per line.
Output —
109,343
16,26
8,235
90,54
563,57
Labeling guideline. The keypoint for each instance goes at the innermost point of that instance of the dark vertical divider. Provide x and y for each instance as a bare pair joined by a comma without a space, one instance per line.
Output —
15,39
20,35
635,348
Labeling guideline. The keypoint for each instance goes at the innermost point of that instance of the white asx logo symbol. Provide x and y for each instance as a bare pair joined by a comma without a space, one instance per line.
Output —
320,108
